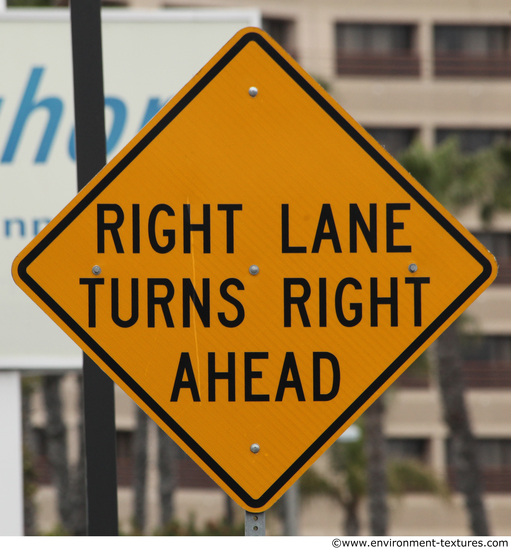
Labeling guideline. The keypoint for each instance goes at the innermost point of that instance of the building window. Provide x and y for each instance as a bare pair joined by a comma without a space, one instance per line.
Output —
417,375
494,462
486,361
408,449
376,50
472,140
395,140
188,474
192,476
124,458
283,32
499,244
472,50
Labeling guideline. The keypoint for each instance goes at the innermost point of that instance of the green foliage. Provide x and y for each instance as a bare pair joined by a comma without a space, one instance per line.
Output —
450,176
57,531
29,474
347,482
349,461
458,180
29,384
323,82
414,476
496,192
421,367
312,484
177,529
211,529
30,3
405,475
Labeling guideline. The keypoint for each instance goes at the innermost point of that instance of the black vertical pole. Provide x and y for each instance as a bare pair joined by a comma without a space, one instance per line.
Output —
98,389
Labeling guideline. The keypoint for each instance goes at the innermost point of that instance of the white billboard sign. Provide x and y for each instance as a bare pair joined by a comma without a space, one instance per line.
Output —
147,58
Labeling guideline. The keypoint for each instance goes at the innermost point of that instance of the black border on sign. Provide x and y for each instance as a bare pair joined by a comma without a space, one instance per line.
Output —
372,152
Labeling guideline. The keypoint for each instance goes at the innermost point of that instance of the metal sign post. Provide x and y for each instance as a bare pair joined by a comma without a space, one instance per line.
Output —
99,412
255,524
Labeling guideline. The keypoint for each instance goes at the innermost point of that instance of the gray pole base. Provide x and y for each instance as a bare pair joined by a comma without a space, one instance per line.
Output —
255,524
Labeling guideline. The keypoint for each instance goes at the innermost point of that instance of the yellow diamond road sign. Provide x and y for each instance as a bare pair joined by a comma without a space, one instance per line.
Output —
253,269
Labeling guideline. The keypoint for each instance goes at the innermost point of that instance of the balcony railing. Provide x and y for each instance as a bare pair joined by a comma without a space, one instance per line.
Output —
504,274
476,374
124,471
192,476
413,380
43,470
487,374
393,64
495,479
463,64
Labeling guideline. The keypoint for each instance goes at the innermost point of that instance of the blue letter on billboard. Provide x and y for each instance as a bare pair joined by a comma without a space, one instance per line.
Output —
27,106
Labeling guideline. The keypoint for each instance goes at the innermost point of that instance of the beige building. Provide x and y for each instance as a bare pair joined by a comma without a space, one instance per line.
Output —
404,70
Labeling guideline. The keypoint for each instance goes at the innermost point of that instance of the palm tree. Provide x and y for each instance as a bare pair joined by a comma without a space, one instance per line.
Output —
464,445
375,449
69,481
77,482
168,453
57,444
455,179
347,481
28,385
458,180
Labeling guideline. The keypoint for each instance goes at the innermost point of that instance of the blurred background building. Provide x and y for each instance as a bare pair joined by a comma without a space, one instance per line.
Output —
404,70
